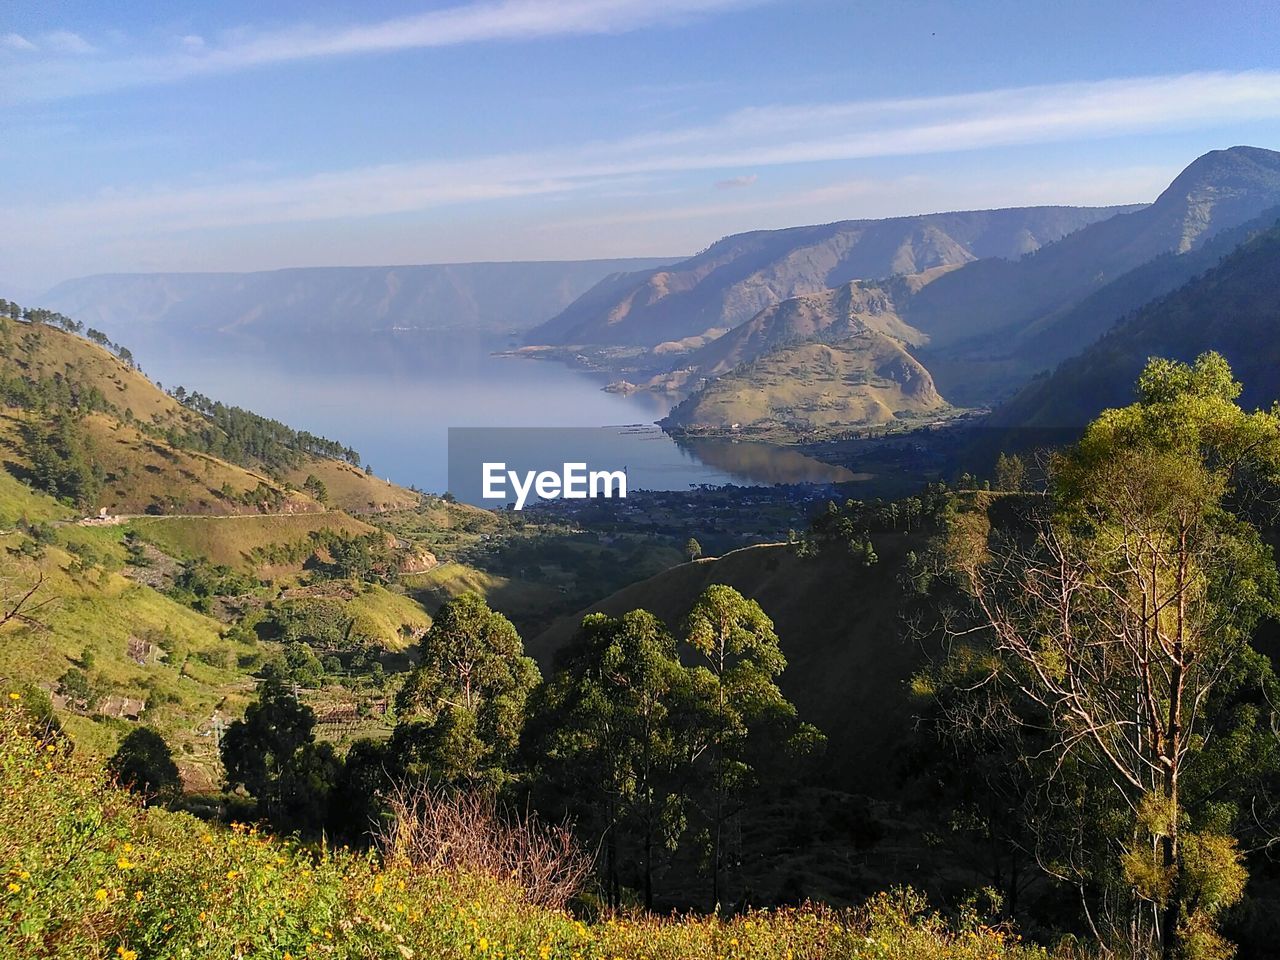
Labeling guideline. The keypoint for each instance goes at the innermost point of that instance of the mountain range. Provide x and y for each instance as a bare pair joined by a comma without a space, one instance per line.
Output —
1233,308
806,332
340,301
735,278
974,331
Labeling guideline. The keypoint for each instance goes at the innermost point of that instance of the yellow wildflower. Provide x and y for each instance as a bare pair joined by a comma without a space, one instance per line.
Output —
15,887
124,864
100,895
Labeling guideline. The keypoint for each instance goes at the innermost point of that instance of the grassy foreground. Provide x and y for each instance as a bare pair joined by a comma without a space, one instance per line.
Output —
87,872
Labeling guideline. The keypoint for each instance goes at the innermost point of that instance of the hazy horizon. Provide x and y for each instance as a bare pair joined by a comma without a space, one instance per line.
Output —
405,133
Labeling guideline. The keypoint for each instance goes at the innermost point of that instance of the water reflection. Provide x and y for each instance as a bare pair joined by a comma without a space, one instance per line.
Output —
766,463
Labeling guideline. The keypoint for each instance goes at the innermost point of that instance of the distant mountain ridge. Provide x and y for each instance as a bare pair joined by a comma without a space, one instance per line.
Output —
990,309
737,277
478,297
1233,308
978,330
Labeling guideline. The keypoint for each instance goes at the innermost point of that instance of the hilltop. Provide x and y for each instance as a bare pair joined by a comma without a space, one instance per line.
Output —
815,388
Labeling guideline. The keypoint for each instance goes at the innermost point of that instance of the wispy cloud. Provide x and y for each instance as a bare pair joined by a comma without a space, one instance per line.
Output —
733,182
16,41
477,22
64,41
757,137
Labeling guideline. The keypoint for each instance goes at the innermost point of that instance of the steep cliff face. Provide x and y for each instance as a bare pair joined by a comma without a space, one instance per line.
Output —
741,275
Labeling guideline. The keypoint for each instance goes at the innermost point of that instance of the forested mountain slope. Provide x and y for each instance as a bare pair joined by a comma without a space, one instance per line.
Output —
1233,308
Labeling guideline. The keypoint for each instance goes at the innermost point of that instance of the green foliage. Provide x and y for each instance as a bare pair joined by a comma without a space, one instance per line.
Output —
241,436
62,463
143,764
462,707
1121,629
1011,472
199,582
606,740
256,749
89,874
316,488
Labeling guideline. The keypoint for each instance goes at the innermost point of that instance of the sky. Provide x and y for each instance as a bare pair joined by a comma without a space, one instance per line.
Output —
161,136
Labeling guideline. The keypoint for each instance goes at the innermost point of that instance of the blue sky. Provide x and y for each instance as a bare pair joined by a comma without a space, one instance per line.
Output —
233,136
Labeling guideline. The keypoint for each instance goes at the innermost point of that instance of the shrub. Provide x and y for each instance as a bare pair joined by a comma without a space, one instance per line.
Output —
442,830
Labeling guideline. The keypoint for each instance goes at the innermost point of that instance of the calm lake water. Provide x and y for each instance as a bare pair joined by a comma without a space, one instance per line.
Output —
394,400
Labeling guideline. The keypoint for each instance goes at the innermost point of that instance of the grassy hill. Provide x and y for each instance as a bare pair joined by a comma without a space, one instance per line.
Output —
143,474
156,454
815,388
270,546
848,664
352,489
828,316
142,652
117,634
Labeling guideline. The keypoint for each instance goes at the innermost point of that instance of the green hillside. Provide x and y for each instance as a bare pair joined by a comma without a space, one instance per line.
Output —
156,453
847,662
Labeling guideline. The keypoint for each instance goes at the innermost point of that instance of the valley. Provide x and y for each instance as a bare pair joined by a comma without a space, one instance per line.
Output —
838,447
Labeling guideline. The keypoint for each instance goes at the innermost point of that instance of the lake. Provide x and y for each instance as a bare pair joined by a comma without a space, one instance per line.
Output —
394,399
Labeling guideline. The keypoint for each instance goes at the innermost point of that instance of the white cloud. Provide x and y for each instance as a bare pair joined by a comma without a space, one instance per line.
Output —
16,41
757,137
64,41
733,182
477,22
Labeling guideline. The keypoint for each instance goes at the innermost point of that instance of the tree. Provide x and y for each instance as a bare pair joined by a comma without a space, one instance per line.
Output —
144,764
1121,618
462,707
602,733
314,486
256,749
693,549
1011,472
300,797
748,718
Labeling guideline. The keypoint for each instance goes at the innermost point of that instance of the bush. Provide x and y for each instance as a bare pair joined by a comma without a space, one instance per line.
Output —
444,830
